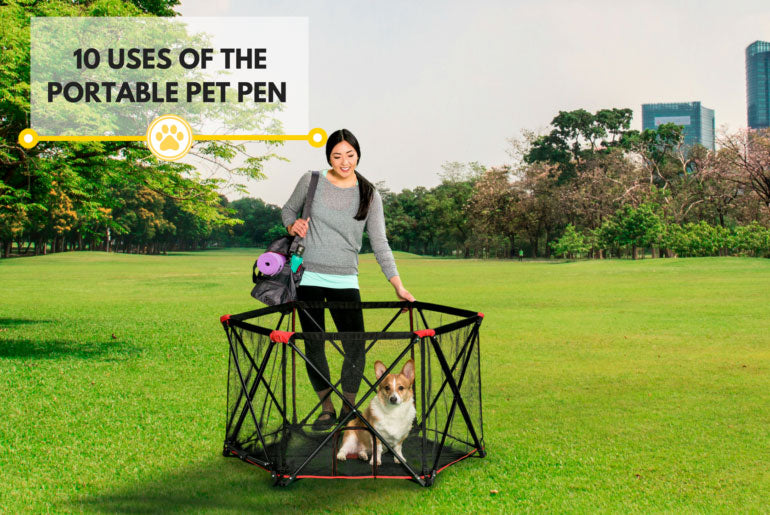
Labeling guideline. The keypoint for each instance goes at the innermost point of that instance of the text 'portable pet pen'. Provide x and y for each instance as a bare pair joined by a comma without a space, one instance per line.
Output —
271,404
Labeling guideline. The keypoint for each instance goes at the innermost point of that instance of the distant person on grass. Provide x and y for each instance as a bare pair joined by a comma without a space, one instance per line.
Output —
344,204
521,254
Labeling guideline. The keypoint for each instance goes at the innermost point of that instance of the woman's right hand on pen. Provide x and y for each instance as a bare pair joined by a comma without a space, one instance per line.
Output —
299,227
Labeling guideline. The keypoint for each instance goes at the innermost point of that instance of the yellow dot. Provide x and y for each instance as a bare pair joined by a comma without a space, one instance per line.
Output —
159,136
180,136
28,138
164,128
317,137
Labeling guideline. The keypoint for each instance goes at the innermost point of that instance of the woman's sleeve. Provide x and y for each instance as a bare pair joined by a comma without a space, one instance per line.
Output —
375,225
293,207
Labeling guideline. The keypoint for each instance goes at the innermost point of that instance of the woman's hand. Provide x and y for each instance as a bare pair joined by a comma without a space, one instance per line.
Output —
299,227
401,292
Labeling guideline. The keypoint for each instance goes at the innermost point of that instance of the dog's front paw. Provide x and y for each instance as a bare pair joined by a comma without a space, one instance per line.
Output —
341,456
363,455
397,460
371,461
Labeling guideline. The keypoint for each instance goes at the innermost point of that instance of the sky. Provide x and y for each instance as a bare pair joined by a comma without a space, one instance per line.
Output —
422,83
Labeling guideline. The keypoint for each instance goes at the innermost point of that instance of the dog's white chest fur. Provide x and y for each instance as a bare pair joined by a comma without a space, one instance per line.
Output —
393,422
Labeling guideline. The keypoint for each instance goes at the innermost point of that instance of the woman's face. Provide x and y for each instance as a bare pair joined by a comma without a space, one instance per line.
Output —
343,159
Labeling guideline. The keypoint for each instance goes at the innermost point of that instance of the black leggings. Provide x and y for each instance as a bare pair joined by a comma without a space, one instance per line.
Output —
348,320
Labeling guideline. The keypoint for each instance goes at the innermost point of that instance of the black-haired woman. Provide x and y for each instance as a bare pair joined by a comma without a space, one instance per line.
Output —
344,204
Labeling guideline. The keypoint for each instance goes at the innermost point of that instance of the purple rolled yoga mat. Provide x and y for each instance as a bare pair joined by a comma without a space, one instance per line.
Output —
270,263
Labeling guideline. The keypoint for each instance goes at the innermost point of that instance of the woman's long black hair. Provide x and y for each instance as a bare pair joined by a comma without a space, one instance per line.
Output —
365,188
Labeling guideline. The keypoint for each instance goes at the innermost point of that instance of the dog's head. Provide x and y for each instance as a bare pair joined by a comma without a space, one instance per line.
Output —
395,388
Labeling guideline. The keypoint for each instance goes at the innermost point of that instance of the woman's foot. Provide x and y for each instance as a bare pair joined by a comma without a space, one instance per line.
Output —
325,421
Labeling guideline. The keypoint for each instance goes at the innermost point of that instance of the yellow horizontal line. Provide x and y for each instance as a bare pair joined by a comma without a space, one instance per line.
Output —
198,137
92,138
250,137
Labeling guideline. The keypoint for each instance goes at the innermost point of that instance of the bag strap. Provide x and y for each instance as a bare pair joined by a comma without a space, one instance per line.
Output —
307,208
310,194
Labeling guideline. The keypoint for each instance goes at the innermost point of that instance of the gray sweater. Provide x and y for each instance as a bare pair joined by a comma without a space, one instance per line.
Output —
333,239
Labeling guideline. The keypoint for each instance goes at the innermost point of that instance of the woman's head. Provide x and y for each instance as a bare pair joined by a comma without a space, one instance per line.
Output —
343,154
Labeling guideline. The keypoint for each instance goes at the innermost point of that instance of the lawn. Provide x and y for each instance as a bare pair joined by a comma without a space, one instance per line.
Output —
611,386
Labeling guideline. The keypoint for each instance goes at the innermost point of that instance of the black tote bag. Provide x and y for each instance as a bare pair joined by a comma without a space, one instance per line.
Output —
282,287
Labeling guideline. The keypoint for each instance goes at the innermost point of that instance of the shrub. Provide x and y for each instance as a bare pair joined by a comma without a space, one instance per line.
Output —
751,240
570,244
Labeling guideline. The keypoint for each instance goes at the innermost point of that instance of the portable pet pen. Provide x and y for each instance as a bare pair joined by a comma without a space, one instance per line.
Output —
271,405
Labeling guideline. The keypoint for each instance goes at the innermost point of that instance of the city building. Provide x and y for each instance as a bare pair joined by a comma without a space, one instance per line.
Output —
697,121
758,84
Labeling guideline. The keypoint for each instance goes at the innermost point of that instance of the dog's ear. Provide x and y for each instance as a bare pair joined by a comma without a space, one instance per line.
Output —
379,369
408,370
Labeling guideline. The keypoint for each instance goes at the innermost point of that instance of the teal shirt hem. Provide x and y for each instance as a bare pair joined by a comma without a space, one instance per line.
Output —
340,282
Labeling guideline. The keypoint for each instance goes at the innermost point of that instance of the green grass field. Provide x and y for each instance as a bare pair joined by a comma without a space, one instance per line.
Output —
611,386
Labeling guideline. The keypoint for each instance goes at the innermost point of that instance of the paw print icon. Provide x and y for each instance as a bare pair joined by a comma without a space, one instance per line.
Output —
169,137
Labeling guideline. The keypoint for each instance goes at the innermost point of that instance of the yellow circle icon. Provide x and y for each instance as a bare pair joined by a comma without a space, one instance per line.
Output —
169,137
28,138
317,137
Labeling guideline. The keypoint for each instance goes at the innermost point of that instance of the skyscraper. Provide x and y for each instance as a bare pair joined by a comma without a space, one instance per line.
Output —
698,121
758,84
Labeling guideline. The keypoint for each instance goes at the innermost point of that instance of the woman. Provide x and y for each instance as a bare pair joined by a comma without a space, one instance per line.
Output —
343,205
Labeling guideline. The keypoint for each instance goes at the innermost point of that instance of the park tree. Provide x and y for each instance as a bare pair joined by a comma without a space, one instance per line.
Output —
656,148
408,219
657,151
607,181
691,186
571,243
448,205
258,217
678,177
493,209
637,228
747,154
141,217
751,240
417,203
275,232
543,207
720,198
399,224
607,238
704,239
575,136
15,213
748,208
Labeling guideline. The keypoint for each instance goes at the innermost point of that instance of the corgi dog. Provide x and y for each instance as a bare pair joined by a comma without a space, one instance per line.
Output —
391,413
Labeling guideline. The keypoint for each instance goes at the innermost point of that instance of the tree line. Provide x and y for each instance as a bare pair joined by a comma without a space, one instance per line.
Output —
622,191
590,187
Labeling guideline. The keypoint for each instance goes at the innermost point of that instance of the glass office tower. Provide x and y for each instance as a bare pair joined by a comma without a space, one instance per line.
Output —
758,84
698,121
